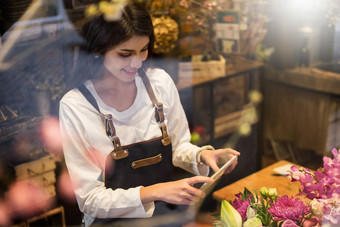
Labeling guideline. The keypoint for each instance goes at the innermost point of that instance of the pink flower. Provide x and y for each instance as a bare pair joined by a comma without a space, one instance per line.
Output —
331,213
324,182
318,207
289,223
288,208
241,205
184,3
312,222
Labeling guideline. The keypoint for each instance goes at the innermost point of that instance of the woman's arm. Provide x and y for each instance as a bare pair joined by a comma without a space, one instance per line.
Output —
176,192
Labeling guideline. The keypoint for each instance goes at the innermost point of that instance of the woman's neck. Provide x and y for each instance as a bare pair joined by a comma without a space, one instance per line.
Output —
111,83
116,93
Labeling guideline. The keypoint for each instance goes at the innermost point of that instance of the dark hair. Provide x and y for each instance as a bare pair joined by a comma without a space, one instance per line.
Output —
100,35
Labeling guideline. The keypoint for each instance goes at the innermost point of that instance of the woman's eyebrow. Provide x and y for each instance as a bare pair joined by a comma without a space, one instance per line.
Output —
127,50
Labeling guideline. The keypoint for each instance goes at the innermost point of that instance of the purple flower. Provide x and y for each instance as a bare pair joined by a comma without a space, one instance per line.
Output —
324,182
288,208
241,205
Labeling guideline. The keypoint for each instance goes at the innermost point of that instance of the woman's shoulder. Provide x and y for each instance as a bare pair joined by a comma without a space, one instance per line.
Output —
159,76
72,98
70,95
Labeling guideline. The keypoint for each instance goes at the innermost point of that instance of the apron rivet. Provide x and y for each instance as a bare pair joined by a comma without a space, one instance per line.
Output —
114,154
125,152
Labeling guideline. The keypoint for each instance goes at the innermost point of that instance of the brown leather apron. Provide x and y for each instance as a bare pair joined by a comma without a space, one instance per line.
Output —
144,163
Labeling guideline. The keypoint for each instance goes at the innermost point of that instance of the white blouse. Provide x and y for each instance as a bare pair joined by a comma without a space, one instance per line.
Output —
86,144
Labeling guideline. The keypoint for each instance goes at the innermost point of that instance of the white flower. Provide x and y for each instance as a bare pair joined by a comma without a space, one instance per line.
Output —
229,215
251,212
252,222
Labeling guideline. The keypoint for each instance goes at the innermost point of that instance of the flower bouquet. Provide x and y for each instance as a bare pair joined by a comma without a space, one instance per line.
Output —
266,208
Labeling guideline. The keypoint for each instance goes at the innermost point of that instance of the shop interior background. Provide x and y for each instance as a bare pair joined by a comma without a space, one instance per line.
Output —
260,76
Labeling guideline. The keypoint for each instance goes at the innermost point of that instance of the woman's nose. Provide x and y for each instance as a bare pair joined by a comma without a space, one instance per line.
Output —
136,61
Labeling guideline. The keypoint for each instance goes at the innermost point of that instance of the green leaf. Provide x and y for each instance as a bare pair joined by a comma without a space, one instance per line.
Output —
217,216
246,194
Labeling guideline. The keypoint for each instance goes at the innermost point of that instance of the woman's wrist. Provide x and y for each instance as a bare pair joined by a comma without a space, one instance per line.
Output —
199,158
150,193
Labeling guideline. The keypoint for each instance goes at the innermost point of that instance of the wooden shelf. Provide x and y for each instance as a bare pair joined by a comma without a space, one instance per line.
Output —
238,80
235,66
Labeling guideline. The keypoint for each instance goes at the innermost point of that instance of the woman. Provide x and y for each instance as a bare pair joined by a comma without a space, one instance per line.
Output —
125,128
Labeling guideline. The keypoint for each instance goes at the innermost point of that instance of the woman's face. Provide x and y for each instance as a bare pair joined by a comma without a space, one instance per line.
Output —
124,60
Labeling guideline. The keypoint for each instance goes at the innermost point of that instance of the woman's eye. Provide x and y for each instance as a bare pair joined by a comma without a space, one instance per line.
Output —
125,55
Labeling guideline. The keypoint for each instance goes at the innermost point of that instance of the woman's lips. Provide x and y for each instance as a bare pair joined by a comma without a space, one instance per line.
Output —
130,72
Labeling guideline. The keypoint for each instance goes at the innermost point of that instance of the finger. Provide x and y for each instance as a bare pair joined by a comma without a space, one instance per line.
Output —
226,153
196,199
232,151
213,165
198,179
232,167
195,192
188,198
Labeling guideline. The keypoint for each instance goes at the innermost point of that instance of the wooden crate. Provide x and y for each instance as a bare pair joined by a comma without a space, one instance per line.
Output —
53,218
34,168
40,172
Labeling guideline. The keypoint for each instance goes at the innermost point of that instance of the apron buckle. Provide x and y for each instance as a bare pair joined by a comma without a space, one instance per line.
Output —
118,152
116,155
159,112
166,138
166,141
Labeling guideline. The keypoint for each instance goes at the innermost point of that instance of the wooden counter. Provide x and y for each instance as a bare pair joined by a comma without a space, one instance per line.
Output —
259,179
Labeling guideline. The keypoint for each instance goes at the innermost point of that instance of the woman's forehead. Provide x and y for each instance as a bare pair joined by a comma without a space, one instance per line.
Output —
134,43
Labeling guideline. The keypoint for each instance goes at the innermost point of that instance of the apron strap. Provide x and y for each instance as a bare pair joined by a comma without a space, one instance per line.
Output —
87,94
118,152
159,113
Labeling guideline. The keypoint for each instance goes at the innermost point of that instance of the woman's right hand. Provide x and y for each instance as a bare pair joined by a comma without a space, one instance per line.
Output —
175,192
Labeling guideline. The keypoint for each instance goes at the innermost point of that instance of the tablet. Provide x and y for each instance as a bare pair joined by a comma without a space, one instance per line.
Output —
218,174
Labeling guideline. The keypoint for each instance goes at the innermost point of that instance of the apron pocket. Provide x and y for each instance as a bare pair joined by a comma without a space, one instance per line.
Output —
146,161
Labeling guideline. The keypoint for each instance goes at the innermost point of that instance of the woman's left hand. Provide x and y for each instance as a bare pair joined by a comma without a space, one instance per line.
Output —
211,157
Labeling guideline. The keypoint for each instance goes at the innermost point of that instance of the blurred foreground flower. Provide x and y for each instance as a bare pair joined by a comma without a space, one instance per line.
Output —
26,199
229,215
4,215
65,187
111,10
50,135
